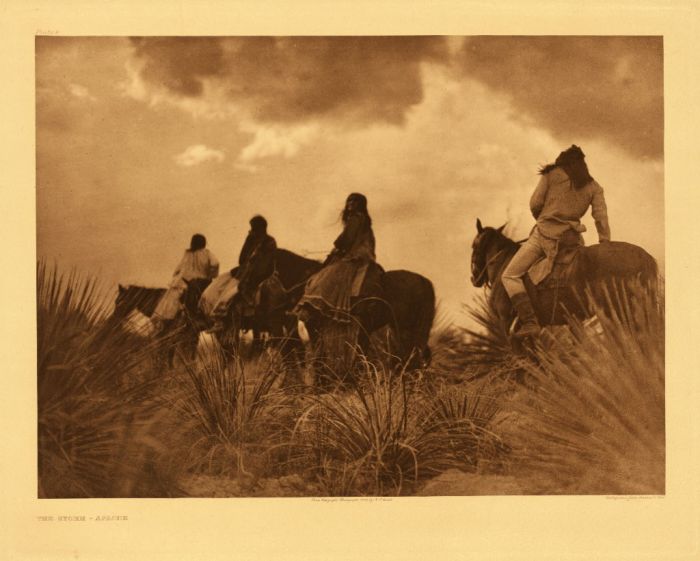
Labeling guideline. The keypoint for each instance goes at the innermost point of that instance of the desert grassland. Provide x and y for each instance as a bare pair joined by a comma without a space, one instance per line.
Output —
581,414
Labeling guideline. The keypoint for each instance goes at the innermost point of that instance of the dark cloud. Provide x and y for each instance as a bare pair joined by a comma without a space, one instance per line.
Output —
578,87
179,64
290,79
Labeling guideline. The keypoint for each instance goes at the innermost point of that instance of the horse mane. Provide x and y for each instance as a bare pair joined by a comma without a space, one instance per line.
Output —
135,297
287,257
295,269
502,241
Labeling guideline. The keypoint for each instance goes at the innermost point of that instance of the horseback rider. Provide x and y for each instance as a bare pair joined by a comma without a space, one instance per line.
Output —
257,259
256,263
349,267
562,196
199,266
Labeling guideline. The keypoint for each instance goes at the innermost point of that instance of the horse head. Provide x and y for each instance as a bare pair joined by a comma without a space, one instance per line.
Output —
484,240
132,297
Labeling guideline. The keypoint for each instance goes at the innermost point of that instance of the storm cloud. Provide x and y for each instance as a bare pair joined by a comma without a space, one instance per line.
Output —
293,79
603,88
179,64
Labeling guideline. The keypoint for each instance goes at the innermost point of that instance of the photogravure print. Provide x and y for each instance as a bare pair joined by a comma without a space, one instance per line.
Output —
350,266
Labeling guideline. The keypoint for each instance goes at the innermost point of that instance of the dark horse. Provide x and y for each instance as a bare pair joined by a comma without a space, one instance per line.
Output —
184,329
597,269
277,296
408,307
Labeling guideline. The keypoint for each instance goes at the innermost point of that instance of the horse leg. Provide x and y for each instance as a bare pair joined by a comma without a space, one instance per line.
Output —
257,344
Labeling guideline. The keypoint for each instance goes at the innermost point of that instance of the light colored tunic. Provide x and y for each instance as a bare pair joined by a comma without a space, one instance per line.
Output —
200,264
557,205
558,208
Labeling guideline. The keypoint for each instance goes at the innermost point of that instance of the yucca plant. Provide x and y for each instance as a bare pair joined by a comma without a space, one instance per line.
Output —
94,420
488,350
386,434
466,418
595,421
236,409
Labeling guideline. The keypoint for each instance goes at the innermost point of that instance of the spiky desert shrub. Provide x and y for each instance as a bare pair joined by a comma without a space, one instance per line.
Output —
237,411
594,420
386,434
95,423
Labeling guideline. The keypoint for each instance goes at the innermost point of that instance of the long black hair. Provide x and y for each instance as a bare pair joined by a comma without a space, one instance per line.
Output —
360,208
198,242
572,161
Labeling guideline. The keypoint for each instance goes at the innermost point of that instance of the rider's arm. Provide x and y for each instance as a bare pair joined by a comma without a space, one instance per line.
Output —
265,264
245,250
599,210
538,196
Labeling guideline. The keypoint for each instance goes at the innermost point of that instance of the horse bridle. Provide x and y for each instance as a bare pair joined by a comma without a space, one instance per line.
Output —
485,268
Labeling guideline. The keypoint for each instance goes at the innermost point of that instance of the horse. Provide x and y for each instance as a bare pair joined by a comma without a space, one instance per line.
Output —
598,270
185,328
407,308
405,304
136,298
277,296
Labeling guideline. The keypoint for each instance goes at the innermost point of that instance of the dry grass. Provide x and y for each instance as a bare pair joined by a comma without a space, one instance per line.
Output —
388,433
593,421
236,409
95,424
589,420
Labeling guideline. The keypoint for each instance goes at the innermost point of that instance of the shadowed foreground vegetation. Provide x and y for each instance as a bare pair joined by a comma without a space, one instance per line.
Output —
583,413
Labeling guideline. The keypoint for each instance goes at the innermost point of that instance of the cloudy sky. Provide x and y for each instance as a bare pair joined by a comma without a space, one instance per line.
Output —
141,142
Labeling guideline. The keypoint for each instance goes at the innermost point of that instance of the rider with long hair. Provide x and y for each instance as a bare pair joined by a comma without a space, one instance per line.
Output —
330,292
563,195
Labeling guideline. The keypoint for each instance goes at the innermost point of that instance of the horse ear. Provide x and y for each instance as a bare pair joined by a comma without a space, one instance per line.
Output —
479,227
122,289
500,230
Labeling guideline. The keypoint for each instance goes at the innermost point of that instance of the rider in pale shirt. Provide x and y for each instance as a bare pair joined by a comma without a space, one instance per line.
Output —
197,262
561,198
558,206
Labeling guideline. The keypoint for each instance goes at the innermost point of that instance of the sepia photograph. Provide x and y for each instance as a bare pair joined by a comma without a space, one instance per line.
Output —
350,266
353,280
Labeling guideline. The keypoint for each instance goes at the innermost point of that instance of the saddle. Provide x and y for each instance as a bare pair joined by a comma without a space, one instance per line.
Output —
557,270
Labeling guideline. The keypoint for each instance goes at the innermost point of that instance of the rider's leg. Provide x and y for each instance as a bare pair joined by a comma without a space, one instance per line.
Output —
512,279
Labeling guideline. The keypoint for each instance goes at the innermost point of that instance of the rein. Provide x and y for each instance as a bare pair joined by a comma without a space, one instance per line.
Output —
287,292
485,269
486,266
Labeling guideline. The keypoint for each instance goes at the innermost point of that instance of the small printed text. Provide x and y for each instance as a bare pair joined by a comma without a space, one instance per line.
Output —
76,518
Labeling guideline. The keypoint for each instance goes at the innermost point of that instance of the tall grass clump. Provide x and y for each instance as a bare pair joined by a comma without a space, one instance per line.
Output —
594,420
237,412
386,434
481,350
95,424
